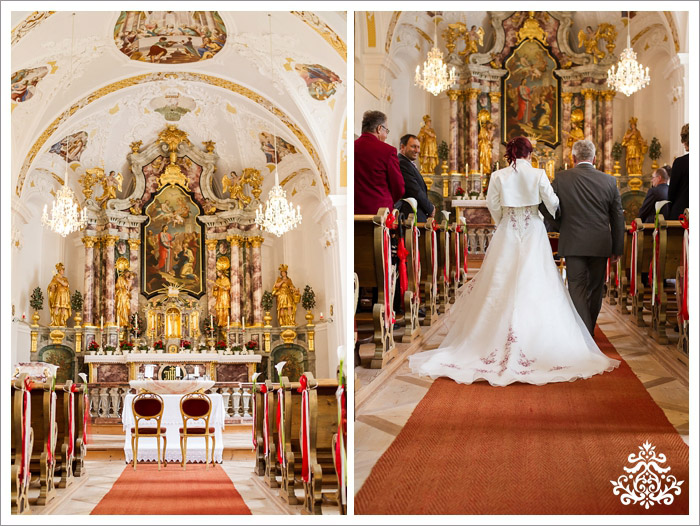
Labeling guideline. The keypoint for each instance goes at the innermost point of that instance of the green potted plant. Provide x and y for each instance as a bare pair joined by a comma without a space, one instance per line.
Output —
617,155
308,302
127,347
159,345
267,299
110,349
443,153
654,152
76,304
36,302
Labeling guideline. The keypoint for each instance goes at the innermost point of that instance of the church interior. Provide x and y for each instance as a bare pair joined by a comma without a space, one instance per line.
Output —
178,228
464,84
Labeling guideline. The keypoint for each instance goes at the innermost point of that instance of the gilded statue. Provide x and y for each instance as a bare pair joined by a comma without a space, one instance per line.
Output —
287,298
471,38
636,148
59,298
110,184
122,297
485,144
428,147
233,184
576,132
222,292
588,40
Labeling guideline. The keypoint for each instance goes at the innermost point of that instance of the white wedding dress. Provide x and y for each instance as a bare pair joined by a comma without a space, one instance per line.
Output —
515,321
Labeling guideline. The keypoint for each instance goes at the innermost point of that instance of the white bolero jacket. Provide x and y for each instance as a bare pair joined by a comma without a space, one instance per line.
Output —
518,186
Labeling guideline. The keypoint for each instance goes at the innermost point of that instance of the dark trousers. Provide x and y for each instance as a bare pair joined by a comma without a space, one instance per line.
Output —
586,277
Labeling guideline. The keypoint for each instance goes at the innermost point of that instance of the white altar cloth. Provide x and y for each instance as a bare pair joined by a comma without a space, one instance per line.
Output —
180,387
172,421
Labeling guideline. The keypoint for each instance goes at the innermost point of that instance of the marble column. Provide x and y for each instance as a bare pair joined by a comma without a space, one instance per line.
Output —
608,131
496,121
211,274
462,126
109,278
249,281
599,130
454,130
565,127
588,124
88,287
473,142
99,283
134,263
235,242
256,260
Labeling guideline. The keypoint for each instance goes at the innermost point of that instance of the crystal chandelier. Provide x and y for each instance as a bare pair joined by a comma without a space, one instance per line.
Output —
435,78
278,216
630,75
66,216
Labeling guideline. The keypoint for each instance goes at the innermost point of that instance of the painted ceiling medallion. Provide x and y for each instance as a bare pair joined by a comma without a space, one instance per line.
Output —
170,37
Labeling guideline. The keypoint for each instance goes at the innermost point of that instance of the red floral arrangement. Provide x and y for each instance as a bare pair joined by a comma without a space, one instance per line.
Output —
459,191
186,344
127,346
221,344
251,345
158,346
93,346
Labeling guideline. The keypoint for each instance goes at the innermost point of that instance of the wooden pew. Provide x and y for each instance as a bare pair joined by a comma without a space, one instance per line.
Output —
258,423
43,459
340,440
682,289
66,405
288,444
665,265
369,265
411,299
82,418
22,443
272,466
459,248
321,412
444,292
429,270
642,257
623,274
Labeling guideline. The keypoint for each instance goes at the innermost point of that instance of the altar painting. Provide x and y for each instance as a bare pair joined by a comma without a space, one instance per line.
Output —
531,91
170,37
172,248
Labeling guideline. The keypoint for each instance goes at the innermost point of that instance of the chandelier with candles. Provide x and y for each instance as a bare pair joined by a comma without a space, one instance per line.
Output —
630,76
435,77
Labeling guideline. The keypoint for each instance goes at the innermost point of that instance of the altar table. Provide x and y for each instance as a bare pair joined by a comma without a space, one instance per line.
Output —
172,421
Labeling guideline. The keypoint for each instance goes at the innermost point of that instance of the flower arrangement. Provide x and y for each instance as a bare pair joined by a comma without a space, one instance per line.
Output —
236,348
308,298
443,151
654,149
110,349
143,347
127,346
221,344
616,151
93,346
267,301
459,191
36,300
251,345
186,344
158,346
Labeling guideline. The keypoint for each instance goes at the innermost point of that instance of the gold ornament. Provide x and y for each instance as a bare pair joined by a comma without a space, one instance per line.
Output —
287,298
428,147
59,298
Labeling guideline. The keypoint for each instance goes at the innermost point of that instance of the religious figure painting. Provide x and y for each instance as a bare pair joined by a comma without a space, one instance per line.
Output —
531,106
270,143
71,147
170,37
172,252
320,81
24,82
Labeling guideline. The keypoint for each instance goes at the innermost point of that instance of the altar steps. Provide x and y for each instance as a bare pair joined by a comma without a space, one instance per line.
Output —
106,442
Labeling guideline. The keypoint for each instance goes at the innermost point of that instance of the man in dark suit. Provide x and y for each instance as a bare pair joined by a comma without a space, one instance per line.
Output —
378,179
678,189
591,229
657,192
413,180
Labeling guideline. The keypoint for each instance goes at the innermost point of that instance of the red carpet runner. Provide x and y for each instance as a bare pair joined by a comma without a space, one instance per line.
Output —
522,449
172,491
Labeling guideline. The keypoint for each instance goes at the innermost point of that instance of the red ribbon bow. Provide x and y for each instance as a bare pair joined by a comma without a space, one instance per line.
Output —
304,382
403,271
436,227
684,221
391,222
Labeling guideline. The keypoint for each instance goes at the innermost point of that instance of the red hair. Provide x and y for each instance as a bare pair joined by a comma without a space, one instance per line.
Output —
517,148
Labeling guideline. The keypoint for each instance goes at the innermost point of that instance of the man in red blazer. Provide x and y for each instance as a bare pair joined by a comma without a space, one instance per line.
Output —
378,179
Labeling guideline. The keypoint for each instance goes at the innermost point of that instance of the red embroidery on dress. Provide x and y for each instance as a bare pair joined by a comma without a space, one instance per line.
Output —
559,367
503,364
522,360
450,366
470,285
528,213
491,358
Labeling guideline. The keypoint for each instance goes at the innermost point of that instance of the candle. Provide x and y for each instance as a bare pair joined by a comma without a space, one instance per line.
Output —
137,322
320,316
496,165
566,166
243,321
102,322
228,321
466,169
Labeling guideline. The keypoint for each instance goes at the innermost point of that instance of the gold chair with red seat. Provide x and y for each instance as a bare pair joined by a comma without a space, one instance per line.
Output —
147,406
196,407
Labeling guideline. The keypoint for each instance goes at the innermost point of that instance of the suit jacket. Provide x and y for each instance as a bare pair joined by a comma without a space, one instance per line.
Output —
378,180
647,212
590,218
414,187
678,188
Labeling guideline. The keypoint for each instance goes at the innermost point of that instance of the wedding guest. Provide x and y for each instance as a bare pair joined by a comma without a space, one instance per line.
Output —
678,188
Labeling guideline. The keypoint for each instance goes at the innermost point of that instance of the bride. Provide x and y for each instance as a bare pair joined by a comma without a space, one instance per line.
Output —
515,321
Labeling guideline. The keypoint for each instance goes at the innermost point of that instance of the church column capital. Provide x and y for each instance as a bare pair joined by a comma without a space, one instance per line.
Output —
473,93
566,97
608,94
495,97
110,241
211,244
89,241
453,93
257,241
134,244
234,240
588,93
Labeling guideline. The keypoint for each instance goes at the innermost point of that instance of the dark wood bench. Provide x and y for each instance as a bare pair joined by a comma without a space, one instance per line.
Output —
642,258
411,299
289,444
429,269
22,443
43,458
665,265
